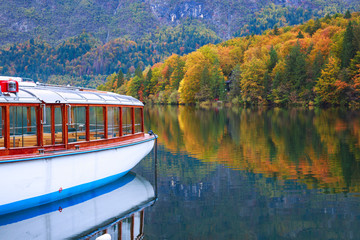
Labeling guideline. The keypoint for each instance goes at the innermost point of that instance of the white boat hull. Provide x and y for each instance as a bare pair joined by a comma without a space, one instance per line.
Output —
35,182
81,215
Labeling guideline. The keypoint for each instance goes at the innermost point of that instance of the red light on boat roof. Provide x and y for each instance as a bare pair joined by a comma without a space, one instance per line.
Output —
10,86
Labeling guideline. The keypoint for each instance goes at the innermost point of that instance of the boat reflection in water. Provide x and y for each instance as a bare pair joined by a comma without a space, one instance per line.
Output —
114,211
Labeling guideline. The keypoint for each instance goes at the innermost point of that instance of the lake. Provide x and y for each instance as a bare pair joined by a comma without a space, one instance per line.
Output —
221,173
254,173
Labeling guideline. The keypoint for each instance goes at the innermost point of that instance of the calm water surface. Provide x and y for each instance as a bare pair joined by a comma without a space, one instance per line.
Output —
222,174
254,174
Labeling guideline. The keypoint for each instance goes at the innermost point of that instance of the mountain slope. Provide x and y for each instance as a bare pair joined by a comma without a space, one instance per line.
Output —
109,19
85,55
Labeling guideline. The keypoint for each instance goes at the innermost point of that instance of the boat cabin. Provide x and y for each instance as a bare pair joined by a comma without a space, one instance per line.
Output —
37,118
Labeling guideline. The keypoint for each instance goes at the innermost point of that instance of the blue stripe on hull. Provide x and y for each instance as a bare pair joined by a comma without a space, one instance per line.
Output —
65,203
55,196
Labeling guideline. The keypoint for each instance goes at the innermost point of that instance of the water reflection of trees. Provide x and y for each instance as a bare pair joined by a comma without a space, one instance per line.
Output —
319,147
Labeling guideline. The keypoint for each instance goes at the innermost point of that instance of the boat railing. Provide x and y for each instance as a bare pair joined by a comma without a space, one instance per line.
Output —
27,127
22,127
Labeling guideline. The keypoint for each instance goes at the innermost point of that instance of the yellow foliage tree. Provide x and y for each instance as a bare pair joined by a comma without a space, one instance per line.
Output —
252,78
326,85
190,85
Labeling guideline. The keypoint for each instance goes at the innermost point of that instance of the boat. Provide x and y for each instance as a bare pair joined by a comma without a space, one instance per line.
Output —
113,211
59,141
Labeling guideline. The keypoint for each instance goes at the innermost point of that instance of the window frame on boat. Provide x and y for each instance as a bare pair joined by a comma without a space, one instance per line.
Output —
44,144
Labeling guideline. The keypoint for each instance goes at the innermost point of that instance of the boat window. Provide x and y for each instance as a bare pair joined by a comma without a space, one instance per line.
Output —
58,125
23,130
137,224
137,120
126,228
109,98
77,127
47,127
113,122
90,96
96,123
2,143
126,117
70,96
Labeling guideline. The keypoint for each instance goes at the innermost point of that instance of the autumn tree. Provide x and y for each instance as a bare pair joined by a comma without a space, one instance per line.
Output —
155,77
329,89
355,84
252,85
190,84
135,88
177,75
110,83
312,28
354,70
280,86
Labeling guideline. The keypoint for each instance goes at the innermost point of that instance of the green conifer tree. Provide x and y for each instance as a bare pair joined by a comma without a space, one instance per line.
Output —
295,70
138,72
317,65
300,35
355,65
120,78
276,30
267,81
235,82
177,75
317,26
273,59
347,14
134,87
277,80
205,92
218,83
348,49
147,82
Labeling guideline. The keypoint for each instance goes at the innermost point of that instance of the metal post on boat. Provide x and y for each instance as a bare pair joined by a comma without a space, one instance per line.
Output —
156,164
43,119
155,161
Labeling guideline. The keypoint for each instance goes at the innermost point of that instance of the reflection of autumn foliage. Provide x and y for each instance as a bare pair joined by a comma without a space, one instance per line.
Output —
320,148
195,123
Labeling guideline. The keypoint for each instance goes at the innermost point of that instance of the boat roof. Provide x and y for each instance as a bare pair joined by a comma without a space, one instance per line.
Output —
47,94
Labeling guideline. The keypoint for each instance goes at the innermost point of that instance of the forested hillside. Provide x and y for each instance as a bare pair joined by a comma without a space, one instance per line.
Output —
84,57
106,20
83,42
314,63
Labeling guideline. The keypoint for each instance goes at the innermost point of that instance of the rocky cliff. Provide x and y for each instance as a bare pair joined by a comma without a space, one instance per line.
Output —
54,20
